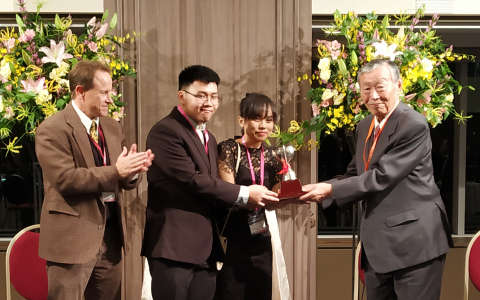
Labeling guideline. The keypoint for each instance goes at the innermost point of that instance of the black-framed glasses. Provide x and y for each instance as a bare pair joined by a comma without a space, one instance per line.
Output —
201,98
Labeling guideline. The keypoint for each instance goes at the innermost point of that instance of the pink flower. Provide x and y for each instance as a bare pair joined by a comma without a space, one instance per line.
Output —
92,46
335,54
376,35
31,85
315,109
410,96
101,32
55,54
425,98
92,22
326,103
27,36
9,44
8,113
327,44
357,109
336,45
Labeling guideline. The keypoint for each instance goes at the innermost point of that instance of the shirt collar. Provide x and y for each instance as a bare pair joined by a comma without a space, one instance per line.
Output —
386,117
86,121
200,127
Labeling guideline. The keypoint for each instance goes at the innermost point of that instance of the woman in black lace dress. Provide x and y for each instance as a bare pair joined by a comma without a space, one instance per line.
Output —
247,270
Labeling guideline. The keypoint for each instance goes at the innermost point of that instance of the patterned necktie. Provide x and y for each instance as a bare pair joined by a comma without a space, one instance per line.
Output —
93,131
377,130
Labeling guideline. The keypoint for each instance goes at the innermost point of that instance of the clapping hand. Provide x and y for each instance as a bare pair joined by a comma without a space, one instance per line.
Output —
132,162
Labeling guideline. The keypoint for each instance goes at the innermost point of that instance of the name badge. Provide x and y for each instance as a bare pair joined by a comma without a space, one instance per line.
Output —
108,197
257,223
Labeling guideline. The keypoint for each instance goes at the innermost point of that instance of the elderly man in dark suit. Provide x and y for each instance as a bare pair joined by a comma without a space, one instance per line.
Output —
84,171
180,241
404,233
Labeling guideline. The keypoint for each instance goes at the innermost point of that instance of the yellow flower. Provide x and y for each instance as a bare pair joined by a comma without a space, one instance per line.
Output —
35,71
312,144
276,131
49,109
11,147
4,132
6,34
294,127
22,112
72,40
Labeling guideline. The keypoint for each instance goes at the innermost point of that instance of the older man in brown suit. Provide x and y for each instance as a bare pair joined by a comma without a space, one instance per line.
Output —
85,170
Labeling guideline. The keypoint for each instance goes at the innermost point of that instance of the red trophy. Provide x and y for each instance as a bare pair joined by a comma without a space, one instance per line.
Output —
290,186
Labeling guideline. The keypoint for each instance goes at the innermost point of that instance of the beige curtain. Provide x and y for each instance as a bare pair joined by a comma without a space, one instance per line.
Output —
255,46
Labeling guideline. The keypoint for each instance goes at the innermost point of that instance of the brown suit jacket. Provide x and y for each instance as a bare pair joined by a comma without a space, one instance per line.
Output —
183,185
73,214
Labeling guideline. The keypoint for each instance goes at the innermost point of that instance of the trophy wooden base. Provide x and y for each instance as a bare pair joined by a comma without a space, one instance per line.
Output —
290,189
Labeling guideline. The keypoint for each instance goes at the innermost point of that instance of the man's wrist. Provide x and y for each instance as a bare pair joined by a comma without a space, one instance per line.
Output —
243,196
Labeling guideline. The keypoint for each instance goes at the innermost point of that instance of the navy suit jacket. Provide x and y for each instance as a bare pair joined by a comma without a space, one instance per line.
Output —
404,221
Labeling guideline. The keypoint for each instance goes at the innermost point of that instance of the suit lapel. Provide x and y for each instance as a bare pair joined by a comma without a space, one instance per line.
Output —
193,135
212,150
80,135
111,140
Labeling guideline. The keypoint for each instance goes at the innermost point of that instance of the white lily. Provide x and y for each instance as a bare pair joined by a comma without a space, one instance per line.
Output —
385,50
55,54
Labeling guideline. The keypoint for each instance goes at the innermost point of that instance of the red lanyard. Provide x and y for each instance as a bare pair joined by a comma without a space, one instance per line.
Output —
207,138
103,153
375,139
262,163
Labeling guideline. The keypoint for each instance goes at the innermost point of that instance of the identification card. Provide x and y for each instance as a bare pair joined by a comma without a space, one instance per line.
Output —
108,197
256,222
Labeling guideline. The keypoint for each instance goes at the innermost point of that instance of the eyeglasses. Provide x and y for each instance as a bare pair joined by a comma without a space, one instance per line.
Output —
201,98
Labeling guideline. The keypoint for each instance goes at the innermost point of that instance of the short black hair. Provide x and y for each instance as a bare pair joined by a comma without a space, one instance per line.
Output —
196,73
256,105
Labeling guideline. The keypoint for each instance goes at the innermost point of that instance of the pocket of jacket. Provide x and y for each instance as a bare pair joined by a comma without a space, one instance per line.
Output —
401,218
63,208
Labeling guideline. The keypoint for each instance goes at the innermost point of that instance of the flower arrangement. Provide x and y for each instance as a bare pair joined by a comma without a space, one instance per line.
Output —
35,62
428,85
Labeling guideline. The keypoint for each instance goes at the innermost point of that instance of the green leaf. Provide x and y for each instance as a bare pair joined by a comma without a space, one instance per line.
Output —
113,22
385,24
471,87
74,61
19,21
26,57
268,142
12,67
24,97
58,22
342,67
371,41
105,15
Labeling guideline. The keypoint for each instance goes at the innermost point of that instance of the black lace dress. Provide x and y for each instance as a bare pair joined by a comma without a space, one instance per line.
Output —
247,270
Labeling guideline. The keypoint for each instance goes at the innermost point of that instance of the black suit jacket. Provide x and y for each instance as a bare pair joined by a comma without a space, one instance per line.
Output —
404,221
183,185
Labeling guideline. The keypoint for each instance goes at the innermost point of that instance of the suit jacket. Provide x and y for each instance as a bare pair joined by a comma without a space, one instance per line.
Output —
183,185
73,215
404,221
